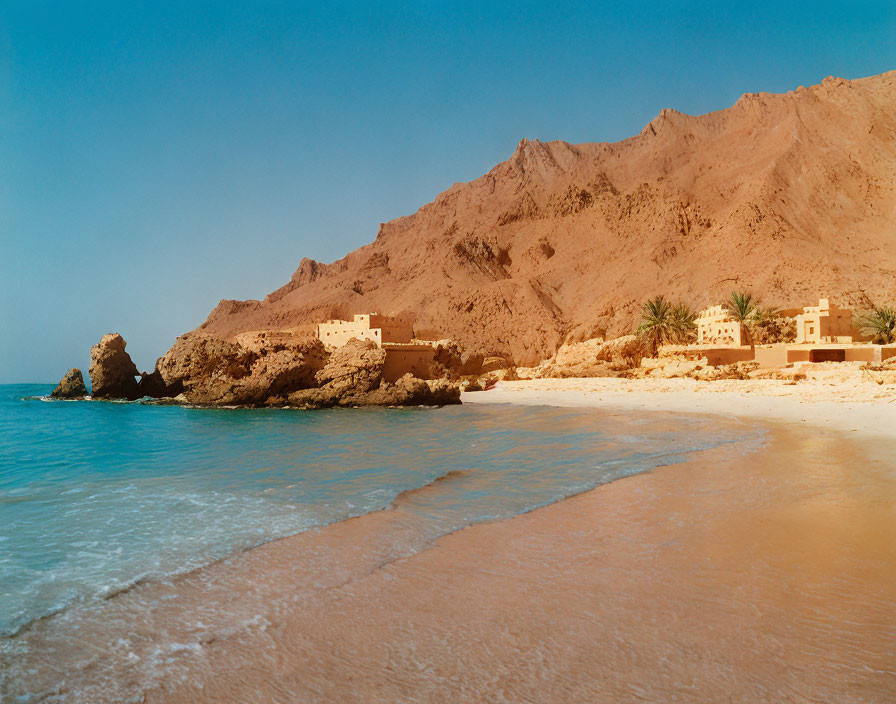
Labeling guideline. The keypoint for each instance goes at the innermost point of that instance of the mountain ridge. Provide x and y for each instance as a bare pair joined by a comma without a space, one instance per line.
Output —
790,195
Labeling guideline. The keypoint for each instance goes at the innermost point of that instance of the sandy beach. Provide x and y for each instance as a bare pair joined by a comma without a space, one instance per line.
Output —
861,407
745,574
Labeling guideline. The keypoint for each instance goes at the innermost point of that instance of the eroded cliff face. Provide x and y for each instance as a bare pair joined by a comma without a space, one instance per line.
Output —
792,196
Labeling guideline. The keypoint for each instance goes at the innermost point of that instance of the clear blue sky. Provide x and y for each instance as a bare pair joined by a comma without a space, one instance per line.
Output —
157,157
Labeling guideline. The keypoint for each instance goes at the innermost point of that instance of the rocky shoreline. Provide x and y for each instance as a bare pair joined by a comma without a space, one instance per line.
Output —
264,369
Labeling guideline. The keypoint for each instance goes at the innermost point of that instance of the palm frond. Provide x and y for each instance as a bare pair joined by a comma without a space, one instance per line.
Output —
741,306
663,322
880,325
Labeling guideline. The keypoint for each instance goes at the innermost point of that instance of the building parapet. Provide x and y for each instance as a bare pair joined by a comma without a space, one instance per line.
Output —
366,326
716,326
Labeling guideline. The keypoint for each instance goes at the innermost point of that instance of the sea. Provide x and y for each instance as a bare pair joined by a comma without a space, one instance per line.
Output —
97,497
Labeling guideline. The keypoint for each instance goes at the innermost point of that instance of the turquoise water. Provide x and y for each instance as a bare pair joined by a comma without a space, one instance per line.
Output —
96,496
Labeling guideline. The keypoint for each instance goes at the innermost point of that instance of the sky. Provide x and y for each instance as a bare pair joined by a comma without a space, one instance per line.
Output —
158,157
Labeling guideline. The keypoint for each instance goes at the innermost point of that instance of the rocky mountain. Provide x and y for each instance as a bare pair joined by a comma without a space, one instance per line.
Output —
791,196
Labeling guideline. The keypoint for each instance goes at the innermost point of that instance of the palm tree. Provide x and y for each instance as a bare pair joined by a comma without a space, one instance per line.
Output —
657,326
880,325
684,322
743,310
663,323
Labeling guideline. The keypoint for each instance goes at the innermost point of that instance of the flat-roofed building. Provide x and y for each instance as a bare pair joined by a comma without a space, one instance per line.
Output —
367,326
715,326
824,323
394,334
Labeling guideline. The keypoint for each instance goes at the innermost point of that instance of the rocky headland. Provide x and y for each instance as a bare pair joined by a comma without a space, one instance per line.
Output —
260,369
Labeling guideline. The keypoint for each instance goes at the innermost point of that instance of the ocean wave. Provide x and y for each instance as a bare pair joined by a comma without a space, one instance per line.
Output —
407,494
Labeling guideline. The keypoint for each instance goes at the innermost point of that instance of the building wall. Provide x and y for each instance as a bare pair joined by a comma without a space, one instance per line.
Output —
824,323
414,359
718,356
394,329
366,326
715,326
337,332
393,334
771,356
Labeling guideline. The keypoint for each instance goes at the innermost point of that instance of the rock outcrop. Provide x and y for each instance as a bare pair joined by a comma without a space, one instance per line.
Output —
250,371
71,386
112,372
152,385
406,391
591,358
356,367
353,377
258,369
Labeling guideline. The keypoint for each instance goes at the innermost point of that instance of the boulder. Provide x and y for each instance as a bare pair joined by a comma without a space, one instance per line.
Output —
112,373
492,364
448,359
441,393
406,391
248,371
71,386
410,391
591,358
314,398
669,367
723,372
356,367
471,364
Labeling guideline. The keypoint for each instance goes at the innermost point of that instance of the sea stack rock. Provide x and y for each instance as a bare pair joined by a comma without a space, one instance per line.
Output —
112,372
71,386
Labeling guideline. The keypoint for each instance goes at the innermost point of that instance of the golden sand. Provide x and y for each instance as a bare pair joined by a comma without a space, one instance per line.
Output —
736,577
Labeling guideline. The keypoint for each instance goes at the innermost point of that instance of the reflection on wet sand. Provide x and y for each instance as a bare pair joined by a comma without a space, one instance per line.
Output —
770,577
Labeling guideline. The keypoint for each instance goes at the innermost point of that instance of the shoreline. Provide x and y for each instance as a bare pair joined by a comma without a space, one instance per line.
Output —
645,588
330,618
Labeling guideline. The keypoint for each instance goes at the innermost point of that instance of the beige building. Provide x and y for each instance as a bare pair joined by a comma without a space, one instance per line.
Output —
715,326
771,356
394,334
824,323
366,326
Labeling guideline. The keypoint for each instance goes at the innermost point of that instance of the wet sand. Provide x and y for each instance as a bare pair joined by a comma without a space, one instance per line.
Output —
739,576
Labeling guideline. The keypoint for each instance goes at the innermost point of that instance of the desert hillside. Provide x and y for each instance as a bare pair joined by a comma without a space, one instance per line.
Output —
791,196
